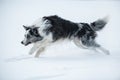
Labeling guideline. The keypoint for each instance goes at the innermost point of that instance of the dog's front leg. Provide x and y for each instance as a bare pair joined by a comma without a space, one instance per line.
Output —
33,49
41,49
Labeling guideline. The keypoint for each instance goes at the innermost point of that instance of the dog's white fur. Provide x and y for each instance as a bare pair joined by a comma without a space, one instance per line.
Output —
41,45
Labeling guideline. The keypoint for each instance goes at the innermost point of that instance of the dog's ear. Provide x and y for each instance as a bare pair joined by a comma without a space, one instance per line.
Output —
26,28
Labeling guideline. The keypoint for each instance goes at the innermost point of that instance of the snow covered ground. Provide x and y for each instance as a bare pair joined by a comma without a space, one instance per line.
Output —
62,61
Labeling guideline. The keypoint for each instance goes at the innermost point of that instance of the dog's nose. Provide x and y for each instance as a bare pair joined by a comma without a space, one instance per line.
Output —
21,42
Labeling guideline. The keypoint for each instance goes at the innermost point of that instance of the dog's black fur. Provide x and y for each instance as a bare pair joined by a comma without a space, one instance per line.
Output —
62,28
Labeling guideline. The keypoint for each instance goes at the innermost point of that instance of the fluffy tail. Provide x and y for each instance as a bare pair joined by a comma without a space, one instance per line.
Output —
99,24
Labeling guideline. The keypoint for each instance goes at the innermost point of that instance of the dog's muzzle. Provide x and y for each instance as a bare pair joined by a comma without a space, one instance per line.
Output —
25,43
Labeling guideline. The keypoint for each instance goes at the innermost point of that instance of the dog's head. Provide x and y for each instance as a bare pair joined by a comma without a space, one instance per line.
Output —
31,36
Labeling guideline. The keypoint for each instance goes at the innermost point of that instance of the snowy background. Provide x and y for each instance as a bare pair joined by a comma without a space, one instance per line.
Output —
62,61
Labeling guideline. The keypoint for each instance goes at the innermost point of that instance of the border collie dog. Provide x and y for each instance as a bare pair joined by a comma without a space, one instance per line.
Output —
50,29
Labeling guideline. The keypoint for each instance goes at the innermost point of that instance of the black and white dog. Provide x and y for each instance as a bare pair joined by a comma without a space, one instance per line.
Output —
50,29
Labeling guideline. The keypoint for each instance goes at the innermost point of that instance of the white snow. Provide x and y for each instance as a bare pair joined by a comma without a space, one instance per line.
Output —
63,61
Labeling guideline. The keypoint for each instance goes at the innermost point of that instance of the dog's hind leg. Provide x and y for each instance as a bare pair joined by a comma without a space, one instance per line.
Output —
79,43
97,47
92,45
103,50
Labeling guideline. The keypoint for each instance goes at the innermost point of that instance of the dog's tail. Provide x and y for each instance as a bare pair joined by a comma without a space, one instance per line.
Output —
100,23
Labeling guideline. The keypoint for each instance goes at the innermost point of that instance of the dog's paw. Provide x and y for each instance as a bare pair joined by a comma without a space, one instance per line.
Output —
107,52
104,50
30,53
36,56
